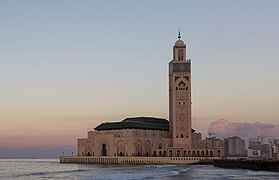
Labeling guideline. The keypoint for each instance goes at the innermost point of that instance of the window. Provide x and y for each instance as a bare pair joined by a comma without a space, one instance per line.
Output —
180,54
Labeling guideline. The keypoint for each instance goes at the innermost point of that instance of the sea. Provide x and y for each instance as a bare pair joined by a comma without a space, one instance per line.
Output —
51,169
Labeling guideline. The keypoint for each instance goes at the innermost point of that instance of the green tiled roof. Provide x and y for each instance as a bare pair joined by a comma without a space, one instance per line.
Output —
148,123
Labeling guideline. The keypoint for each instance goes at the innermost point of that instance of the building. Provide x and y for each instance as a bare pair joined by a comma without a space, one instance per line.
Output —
274,143
205,147
265,150
157,137
254,153
234,147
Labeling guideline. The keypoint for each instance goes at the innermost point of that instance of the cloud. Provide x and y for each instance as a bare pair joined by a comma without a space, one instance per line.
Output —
222,128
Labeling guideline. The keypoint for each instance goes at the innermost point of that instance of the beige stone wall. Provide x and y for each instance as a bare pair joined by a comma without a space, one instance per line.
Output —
196,138
123,142
145,143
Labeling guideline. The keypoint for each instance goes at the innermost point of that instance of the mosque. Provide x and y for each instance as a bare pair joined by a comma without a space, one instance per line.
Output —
156,137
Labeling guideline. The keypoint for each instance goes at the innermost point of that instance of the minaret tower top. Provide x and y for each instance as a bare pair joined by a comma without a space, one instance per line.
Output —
179,50
179,42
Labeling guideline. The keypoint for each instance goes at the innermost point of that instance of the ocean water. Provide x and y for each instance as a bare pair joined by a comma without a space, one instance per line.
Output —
52,169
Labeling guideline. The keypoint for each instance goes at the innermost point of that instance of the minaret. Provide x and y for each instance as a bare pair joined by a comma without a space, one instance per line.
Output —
180,97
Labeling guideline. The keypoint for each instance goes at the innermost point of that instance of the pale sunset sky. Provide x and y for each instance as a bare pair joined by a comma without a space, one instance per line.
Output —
66,66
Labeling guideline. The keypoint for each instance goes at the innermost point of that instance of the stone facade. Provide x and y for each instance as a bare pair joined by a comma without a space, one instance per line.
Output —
129,142
128,138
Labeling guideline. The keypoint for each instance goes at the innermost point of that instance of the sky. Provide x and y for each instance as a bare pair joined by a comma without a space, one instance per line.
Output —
67,66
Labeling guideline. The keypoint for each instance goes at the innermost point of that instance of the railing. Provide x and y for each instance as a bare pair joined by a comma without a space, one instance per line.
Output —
133,160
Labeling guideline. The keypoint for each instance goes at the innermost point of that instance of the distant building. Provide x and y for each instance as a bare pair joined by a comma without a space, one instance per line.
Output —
234,147
264,150
149,136
253,153
274,143
255,142
208,144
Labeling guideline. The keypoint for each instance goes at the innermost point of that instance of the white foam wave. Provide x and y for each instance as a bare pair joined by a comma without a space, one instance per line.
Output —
160,166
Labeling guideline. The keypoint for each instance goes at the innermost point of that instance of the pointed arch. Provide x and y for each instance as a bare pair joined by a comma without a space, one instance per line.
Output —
147,148
181,84
160,144
88,148
139,148
120,148
103,147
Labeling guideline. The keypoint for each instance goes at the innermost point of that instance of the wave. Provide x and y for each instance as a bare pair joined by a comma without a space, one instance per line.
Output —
144,172
48,173
160,166
136,175
50,170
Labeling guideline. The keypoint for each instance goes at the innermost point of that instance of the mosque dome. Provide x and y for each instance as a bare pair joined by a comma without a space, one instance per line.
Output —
179,42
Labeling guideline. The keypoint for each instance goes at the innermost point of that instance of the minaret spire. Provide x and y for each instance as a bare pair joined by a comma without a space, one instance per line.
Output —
179,36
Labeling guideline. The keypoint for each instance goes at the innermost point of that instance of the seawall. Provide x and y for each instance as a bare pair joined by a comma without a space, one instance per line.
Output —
258,165
134,160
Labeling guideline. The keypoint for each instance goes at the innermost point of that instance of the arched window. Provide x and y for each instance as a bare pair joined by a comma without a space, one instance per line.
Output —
202,153
104,150
147,148
218,153
170,153
120,148
139,148
181,84
194,153
178,153
88,149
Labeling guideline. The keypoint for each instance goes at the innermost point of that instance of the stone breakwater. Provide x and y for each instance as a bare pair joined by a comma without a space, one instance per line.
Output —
134,160
258,165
